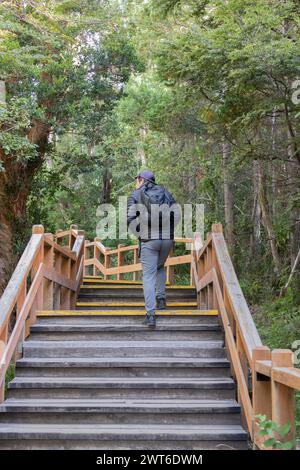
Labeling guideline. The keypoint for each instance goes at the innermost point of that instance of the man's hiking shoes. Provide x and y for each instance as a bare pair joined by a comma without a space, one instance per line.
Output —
161,304
150,320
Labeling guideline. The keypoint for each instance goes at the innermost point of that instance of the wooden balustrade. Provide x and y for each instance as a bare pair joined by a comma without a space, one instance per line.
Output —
110,262
48,276
213,274
266,381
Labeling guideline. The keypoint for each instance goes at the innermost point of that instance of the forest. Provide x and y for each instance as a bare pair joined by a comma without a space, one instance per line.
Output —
206,93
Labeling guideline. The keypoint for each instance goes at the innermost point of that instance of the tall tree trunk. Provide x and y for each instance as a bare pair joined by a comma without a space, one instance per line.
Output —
266,217
141,151
228,197
255,239
293,170
272,163
107,186
13,199
6,252
15,180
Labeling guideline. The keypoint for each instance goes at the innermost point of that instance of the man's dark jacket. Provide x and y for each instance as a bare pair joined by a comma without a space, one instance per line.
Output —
156,233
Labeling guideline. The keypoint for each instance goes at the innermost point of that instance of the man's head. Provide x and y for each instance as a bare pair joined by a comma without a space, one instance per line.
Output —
143,177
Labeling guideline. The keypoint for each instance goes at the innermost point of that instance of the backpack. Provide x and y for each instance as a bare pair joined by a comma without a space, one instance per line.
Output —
155,194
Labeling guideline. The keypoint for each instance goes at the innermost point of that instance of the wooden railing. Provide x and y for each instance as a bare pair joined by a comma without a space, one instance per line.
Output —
48,276
110,262
266,381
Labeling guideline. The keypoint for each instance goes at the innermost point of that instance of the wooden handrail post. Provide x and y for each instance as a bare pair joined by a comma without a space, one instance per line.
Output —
20,301
2,385
57,287
170,269
49,263
38,230
120,276
135,261
3,343
86,257
283,397
72,239
65,293
96,254
217,228
261,391
107,264
38,303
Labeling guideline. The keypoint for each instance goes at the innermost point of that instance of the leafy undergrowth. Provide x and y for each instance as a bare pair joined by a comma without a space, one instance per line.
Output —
10,374
278,323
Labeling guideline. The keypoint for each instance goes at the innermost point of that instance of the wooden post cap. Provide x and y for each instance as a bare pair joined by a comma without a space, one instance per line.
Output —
97,239
261,353
38,229
282,358
73,227
81,233
217,228
49,235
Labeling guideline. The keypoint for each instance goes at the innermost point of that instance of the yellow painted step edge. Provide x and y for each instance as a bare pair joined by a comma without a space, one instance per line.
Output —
91,286
112,281
58,313
132,304
87,280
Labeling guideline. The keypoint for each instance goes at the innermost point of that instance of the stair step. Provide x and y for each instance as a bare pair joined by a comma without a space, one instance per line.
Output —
168,287
128,332
78,382
120,387
128,312
130,305
103,348
123,367
95,295
95,280
94,292
121,436
115,406
84,318
125,362
113,327
115,411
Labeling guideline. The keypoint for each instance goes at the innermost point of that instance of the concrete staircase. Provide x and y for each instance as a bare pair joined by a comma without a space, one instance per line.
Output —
97,378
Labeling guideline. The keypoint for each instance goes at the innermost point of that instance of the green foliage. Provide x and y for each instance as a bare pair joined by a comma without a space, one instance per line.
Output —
14,121
278,320
10,374
278,323
116,86
276,434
